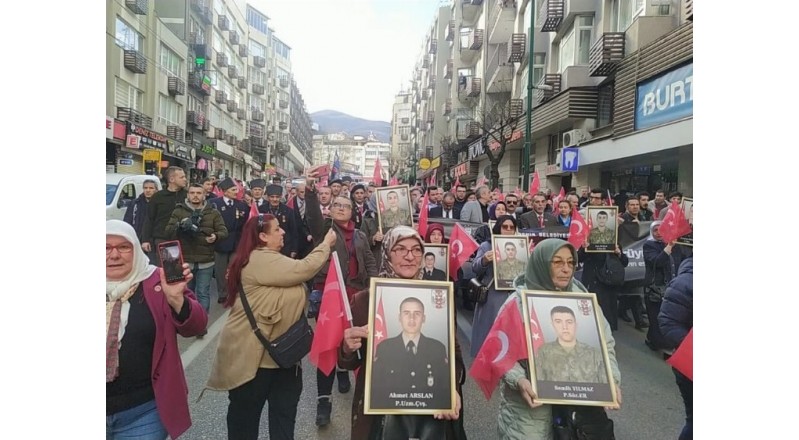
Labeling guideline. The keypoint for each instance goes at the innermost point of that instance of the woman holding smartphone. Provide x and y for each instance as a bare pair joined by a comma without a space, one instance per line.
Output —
145,389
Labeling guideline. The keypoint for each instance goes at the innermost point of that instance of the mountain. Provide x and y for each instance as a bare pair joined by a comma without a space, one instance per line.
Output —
332,121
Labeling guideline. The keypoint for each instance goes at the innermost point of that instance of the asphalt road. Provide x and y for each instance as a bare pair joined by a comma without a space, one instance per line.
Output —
652,408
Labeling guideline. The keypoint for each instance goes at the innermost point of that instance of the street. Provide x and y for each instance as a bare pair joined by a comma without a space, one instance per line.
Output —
652,408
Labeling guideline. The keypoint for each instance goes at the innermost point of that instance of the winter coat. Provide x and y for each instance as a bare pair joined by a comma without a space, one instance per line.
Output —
367,267
194,246
234,217
676,316
136,215
161,206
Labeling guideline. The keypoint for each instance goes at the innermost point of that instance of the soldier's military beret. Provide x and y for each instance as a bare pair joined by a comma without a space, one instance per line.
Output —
335,181
356,187
258,183
346,179
226,184
274,190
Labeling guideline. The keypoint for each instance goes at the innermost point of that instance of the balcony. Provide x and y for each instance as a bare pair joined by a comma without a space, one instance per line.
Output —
425,63
231,139
688,9
470,46
451,28
471,9
242,82
219,133
501,17
514,108
243,50
232,72
138,7
431,82
606,54
232,106
241,114
404,136
283,103
433,46
469,87
234,38
466,130
197,5
499,70
176,86
282,125
176,132
135,61
221,59
257,115
206,125
255,130
550,15
449,68
195,118
258,89
197,80
195,39
552,80
130,115
223,23
282,147
431,116
259,61
517,48
284,82
220,97
446,108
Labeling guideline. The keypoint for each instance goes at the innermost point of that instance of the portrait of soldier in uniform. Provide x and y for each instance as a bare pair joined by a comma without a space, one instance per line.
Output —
566,359
394,207
602,236
435,263
511,261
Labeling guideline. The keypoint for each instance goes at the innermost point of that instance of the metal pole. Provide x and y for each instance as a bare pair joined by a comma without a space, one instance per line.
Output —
528,141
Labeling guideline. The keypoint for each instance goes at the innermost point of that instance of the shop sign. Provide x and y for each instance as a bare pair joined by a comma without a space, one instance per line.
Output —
120,130
125,162
109,127
436,162
424,163
665,98
208,149
476,149
149,138
133,142
180,150
515,136
461,169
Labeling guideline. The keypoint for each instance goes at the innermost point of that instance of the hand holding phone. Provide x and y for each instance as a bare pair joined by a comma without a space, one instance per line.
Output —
174,292
171,256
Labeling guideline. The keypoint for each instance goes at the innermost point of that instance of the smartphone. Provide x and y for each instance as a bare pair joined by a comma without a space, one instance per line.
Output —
171,256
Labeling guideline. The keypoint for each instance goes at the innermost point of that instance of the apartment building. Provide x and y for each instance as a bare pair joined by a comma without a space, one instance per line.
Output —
402,154
351,152
611,78
372,151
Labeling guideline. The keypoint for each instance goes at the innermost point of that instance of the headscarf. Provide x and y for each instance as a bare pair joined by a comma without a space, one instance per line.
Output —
493,209
652,227
497,230
538,274
122,290
435,227
392,237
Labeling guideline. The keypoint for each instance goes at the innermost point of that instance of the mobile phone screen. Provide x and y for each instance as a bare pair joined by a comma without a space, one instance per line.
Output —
171,261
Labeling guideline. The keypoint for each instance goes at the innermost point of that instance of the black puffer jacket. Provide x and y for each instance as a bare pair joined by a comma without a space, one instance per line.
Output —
677,310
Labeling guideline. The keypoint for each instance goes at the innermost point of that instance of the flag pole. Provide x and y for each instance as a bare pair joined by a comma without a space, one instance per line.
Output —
343,290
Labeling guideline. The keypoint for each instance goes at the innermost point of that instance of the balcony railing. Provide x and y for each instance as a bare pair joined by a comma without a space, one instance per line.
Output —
284,82
425,63
606,54
552,80
282,125
257,115
232,106
135,61
232,71
231,139
259,61
223,23
175,132
176,86
221,97
138,7
451,30
469,86
284,103
431,82
433,48
234,38
221,59
467,130
515,108
476,39
255,130
195,118
550,16
242,82
136,117
517,47
241,114
197,5
258,89
431,116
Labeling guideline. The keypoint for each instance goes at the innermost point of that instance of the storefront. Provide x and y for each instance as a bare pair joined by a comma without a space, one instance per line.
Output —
115,132
180,155
130,155
204,166
466,172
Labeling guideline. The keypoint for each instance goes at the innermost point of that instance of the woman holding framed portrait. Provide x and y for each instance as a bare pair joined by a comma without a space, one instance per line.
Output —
403,249
550,268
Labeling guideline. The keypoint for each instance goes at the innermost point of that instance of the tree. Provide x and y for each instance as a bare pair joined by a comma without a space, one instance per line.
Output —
498,119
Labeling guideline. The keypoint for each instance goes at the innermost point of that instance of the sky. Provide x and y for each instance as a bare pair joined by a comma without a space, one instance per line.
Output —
351,55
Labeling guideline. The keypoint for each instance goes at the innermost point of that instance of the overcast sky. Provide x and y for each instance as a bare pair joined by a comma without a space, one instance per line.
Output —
351,55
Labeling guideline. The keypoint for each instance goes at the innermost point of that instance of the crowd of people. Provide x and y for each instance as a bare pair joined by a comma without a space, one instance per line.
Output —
271,243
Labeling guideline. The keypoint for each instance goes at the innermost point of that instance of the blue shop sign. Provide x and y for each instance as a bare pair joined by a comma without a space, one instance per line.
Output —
665,98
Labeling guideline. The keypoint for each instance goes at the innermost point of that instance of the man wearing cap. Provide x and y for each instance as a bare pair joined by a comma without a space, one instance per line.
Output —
359,208
285,218
335,188
234,213
257,187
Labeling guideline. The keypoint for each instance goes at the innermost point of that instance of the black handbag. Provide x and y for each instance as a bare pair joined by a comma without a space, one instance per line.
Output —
477,292
655,293
287,349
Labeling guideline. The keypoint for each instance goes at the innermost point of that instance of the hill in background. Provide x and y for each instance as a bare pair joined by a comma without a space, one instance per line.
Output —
332,121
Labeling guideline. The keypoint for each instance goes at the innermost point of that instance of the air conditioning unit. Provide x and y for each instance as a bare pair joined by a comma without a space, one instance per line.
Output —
559,155
575,137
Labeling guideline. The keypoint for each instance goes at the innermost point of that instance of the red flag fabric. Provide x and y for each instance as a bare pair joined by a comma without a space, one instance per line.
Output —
456,185
683,358
217,192
536,184
535,331
675,225
331,323
557,199
461,247
393,181
518,192
503,347
578,229
497,253
378,175
290,203
240,186
380,325
253,210
423,214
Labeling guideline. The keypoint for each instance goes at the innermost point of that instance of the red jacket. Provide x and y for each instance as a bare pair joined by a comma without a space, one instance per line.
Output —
169,383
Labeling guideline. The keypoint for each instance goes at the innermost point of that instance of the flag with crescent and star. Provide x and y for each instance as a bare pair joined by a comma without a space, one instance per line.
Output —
378,174
675,224
555,200
503,347
497,253
424,213
380,324
578,230
536,184
461,247
535,331
333,319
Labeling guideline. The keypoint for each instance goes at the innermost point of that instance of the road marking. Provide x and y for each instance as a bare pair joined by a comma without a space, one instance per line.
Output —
188,356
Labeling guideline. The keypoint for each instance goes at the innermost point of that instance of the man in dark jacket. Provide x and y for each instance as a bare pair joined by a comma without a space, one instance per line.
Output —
136,213
285,218
537,218
447,209
607,296
198,226
160,209
235,214
676,319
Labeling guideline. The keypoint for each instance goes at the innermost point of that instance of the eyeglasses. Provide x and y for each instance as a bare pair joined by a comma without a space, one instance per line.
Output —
596,197
508,227
511,202
560,263
125,248
403,251
342,206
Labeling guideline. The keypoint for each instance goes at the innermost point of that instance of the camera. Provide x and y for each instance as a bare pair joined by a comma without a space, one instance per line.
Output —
191,225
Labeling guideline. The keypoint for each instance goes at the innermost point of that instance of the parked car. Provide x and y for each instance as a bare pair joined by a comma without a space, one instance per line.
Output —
121,190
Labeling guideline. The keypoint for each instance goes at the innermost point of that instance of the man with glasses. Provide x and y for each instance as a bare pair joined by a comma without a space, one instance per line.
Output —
512,203
538,218
596,198
448,209
460,196
476,211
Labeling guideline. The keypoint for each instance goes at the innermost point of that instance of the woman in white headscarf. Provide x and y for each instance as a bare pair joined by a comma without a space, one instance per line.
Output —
145,391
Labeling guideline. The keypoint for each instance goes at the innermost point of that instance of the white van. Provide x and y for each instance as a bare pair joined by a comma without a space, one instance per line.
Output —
121,190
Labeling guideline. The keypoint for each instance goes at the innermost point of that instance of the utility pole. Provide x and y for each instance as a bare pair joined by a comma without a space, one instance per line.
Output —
528,141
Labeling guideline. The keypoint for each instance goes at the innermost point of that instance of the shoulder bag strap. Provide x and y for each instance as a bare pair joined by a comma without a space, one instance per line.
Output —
246,305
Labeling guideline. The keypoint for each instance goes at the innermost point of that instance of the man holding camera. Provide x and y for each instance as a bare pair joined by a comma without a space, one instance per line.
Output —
198,226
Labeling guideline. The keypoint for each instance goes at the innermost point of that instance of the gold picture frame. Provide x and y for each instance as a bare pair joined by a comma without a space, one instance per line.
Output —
441,255
593,384
687,206
601,244
404,213
418,379
505,271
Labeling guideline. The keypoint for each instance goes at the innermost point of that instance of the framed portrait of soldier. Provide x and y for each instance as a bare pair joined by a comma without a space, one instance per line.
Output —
394,207
687,206
567,356
435,262
510,259
410,361
603,228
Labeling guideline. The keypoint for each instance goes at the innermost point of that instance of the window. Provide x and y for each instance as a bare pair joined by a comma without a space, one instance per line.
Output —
281,49
197,30
218,43
127,37
624,12
257,49
256,76
466,33
219,7
539,64
170,61
281,74
128,96
257,20
576,45
194,104
554,146
169,111
605,105
255,102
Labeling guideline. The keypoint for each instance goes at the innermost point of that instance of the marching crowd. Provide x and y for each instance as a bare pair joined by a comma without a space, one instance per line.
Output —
268,245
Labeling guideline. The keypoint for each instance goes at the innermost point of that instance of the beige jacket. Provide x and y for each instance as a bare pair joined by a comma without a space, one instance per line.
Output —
275,289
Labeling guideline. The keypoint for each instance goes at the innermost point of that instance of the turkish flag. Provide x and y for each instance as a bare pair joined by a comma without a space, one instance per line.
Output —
578,230
536,184
253,209
393,181
497,253
557,199
675,225
423,214
518,192
218,192
683,358
290,203
500,196
380,324
535,331
240,186
378,176
461,247
502,348
331,322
